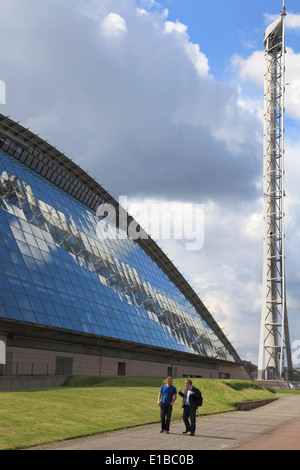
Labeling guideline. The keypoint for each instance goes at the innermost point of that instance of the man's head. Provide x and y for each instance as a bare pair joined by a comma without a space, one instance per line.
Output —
169,380
188,383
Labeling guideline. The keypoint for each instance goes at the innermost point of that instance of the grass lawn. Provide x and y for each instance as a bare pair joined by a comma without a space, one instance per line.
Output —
81,407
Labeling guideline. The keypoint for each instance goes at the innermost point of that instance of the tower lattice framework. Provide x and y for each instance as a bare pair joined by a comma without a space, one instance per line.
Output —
274,349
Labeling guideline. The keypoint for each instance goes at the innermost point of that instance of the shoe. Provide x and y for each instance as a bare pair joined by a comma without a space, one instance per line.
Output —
161,431
192,434
185,432
167,432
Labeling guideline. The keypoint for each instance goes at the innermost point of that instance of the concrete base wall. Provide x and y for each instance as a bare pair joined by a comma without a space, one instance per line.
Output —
34,363
30,361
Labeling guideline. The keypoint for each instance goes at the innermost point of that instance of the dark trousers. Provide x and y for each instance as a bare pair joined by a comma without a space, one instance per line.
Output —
165,416
189,418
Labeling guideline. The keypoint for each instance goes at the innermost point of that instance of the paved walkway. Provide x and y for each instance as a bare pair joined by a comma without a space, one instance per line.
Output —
274,426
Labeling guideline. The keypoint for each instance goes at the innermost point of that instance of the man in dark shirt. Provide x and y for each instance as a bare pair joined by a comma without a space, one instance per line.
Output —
189,406
166,398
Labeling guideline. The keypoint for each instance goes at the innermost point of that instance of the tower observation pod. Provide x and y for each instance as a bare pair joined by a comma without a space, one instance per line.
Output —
274,349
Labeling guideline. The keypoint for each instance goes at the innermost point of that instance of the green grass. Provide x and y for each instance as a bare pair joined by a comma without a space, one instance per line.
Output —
81,407
284,390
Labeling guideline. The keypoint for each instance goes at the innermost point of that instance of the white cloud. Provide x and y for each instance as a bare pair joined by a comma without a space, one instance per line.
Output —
144,104
113,25
252,69
141,12
292,20
198,59
176,27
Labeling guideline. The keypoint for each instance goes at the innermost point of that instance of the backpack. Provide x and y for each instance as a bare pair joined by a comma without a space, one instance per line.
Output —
199,400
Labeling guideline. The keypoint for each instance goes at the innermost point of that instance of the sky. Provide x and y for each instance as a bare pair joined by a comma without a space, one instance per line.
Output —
162,103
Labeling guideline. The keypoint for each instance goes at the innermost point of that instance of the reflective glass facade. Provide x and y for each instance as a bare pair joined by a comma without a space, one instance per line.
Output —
62,267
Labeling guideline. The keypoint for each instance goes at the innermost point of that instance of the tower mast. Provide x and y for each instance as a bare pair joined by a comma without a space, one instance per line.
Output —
274,347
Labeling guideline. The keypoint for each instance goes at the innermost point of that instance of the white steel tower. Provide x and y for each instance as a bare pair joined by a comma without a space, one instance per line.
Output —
274,348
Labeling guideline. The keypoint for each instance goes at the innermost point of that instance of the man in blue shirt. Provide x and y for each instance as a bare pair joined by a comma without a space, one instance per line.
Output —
166,398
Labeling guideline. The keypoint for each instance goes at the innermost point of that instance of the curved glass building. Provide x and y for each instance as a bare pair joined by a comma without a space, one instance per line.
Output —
78,294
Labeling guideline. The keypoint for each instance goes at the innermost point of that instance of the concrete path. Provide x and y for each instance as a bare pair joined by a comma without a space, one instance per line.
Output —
273,426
